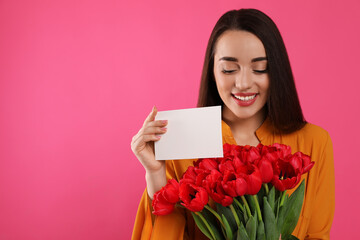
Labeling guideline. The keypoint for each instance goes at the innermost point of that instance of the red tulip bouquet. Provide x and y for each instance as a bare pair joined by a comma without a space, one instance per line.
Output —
248,188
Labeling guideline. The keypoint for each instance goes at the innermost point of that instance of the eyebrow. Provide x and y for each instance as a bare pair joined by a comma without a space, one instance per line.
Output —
232,59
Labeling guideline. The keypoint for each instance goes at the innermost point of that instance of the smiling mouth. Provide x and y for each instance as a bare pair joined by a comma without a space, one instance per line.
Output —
247,98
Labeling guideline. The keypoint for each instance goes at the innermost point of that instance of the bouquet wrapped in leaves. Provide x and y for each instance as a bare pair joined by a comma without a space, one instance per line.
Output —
248,188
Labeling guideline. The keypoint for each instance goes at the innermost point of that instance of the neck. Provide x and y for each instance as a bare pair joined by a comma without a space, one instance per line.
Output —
243,128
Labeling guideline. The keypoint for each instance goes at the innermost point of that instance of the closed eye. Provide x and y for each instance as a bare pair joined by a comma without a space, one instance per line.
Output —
227,71
260,71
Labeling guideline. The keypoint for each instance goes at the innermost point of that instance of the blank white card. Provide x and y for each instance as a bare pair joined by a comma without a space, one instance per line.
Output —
191,133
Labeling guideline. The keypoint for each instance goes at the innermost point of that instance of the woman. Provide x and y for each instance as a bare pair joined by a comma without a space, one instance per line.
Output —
247,71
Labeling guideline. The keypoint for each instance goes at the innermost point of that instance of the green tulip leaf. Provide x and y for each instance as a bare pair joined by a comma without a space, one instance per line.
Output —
241,205
199,222
291,211
282,210
251,227
277,208
239,212
260,232
228,230
260,195
214,224
228,215
286,199
251,203
241,233
246,217
238,204
271,230
271,198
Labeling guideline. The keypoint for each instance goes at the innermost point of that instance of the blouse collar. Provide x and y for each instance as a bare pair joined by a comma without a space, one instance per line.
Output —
265,130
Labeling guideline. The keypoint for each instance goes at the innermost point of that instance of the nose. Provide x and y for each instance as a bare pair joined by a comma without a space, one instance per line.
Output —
243,80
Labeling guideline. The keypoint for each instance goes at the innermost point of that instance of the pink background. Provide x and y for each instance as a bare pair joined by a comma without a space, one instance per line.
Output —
77,79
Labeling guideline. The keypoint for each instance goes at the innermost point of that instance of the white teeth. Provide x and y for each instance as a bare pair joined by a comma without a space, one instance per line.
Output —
247,98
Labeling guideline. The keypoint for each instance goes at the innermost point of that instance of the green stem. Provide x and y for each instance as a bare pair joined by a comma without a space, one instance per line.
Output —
257,207
239,204
278,206
282,198
235,215
215,214
266,188
246,205
206,224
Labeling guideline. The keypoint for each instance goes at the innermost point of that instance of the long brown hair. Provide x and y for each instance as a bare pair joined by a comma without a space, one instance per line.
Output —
282,106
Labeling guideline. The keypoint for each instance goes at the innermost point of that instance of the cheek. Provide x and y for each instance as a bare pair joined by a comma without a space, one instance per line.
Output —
223,88
264,85
223,83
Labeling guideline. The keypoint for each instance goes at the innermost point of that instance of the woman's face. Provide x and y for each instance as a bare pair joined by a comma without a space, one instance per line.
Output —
240,70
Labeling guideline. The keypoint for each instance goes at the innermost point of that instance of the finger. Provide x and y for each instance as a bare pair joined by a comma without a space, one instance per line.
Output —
151,116
135,138
153,130
144,139
157,123
151,137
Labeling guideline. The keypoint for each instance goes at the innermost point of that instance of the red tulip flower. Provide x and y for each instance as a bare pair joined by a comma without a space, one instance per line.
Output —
213,186
283,150
271,153
206,164
165,199
241,171
230,150
189,175
226,165
193,197
171,191
287,174
249,154
252,176
227,148
233,184
306,163
194,175
266,169
160,205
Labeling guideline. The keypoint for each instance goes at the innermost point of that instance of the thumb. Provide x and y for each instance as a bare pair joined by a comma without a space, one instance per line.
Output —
151,116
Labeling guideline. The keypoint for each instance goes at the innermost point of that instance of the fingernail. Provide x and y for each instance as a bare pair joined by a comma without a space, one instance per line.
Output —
164,121
158,136
164,129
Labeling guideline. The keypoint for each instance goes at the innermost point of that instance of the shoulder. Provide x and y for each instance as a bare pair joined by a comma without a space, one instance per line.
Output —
315,132
309,139
315,142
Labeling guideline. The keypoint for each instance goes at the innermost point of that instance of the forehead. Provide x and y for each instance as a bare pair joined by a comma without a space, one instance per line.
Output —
239,44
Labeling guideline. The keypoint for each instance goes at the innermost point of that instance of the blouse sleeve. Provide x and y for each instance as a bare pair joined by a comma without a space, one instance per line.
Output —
149,226
324,203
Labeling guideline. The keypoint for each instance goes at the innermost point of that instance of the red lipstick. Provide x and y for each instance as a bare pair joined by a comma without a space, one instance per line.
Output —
246,102
244,94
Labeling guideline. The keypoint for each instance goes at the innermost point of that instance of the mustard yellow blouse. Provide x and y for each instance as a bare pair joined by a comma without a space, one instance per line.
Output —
319,203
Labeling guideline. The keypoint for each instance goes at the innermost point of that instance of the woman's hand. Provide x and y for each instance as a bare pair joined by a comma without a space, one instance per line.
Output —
142,145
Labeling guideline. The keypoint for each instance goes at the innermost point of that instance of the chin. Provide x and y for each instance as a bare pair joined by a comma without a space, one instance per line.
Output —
242,114
245,113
